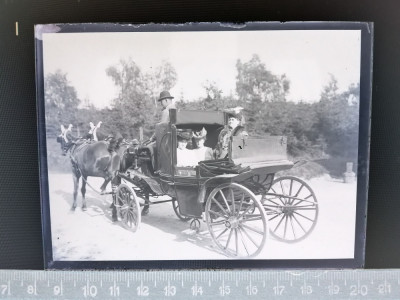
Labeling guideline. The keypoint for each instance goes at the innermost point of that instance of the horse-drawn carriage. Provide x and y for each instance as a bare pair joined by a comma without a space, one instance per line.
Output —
238,197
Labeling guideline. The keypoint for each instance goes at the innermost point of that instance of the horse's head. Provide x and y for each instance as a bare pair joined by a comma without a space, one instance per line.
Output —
64,138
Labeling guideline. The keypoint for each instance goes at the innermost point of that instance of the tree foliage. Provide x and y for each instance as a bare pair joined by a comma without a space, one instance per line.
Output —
61,101
328,127
254,83
135,105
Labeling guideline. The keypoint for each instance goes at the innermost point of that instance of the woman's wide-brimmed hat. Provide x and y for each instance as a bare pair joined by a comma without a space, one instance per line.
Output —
198,135
235,112
165,95
185,134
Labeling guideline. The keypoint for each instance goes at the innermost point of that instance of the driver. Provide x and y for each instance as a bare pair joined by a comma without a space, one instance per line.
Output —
167,103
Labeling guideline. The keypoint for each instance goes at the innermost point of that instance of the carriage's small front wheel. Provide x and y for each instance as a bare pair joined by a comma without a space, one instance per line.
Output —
128,207
236,220
292,209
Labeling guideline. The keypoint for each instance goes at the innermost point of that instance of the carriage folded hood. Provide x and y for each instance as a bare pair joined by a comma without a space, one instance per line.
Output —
198,117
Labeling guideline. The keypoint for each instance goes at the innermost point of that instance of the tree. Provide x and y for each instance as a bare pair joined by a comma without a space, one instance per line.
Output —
163,78
256,87
135,105
255,83
132,103
338,120
61,101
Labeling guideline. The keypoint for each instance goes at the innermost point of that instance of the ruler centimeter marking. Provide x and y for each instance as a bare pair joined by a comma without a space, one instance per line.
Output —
313,284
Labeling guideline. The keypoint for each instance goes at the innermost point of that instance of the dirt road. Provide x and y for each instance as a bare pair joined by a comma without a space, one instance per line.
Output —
92,235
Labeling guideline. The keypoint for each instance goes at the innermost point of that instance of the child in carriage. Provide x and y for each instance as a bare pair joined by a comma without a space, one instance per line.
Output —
184,156
201,152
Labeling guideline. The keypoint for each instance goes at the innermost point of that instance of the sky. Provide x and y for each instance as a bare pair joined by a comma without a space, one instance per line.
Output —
307,57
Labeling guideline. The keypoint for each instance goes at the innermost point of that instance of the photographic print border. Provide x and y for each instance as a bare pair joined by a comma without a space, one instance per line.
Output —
363,147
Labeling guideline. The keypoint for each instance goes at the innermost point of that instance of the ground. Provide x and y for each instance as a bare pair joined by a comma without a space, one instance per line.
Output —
91,235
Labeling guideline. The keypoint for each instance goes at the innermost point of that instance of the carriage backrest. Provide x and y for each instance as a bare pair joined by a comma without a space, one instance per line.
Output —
247,151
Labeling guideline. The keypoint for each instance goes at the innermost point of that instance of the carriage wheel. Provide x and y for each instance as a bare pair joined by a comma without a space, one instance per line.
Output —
128,207
236,220
292,209
175,205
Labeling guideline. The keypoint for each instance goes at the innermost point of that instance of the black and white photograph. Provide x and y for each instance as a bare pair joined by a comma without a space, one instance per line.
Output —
204,142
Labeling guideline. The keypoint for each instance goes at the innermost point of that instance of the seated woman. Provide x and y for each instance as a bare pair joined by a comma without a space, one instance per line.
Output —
201,152
234,128
184,157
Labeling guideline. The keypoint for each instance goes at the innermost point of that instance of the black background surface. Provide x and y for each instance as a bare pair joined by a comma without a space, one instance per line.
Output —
20,214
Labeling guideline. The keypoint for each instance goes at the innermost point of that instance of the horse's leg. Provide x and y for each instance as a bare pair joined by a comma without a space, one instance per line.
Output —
83,191
76,176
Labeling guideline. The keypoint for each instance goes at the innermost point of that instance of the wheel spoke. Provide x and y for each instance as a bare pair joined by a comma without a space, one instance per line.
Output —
240,205
283,191
305,208
218,223
226,202
268,199
276,206
283,216
252,229
237,242
277,215
252,218
229,239
291,223
233,200
217,213
301,200
225,230
298,192
294,218
280,199
249,237
286,221
220,206
303,216
242,238
246,211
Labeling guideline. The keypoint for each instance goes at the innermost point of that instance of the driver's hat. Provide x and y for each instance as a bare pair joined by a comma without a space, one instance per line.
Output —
165,95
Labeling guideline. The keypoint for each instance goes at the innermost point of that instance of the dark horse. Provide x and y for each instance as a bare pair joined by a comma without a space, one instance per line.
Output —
94,159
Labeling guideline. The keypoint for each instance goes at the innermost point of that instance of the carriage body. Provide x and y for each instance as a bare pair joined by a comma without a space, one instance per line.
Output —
258,158
238,196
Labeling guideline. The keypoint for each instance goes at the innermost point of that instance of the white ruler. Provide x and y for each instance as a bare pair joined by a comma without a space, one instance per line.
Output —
235,284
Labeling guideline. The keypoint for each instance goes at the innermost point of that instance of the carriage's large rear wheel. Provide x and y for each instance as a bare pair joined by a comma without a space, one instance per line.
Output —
128,207
236,220
292,209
